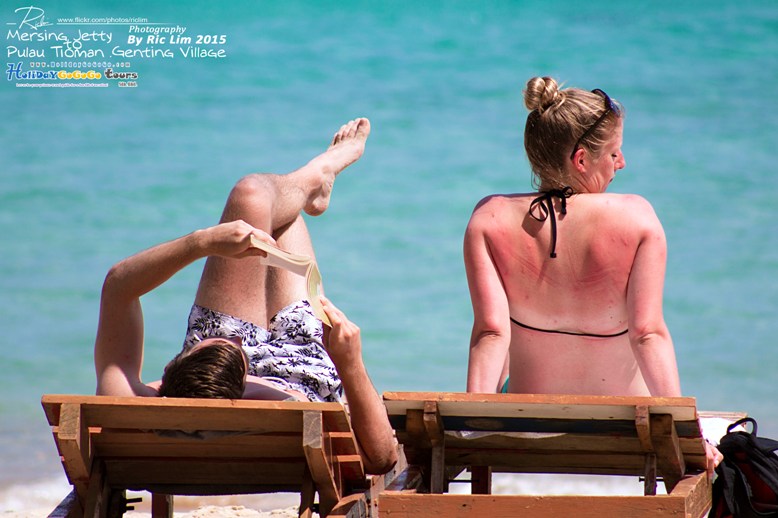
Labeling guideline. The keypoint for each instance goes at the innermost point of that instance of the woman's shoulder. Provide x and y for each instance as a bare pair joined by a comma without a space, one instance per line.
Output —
502,202
497,208
632,204
621,209
628,211
509,203
616,199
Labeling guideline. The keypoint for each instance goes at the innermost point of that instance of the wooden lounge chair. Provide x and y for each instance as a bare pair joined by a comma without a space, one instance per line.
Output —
204,447
445,433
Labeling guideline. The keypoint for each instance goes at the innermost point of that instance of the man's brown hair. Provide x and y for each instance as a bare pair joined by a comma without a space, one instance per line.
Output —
214,371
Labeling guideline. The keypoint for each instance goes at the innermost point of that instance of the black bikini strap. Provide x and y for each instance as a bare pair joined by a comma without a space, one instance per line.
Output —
572,333
545,206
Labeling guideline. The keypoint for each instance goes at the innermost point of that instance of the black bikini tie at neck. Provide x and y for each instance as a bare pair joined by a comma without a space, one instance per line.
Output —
544,205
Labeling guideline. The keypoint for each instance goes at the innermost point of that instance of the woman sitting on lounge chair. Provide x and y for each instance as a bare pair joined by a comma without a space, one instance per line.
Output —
566,283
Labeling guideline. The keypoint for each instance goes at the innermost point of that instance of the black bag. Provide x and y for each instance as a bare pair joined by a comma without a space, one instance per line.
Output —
747,482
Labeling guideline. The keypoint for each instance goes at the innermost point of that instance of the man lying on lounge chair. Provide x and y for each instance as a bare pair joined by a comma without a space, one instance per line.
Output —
252,333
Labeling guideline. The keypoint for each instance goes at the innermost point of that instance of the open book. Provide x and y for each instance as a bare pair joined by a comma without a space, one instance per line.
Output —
299,264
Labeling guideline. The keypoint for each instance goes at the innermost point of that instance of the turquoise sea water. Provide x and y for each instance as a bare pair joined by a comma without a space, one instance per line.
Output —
91,175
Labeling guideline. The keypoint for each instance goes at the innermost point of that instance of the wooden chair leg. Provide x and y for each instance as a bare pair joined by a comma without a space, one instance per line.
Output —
669,457
117,503
98,494
161,505
307,495
438,471
481,480
433,424
319,460
649,480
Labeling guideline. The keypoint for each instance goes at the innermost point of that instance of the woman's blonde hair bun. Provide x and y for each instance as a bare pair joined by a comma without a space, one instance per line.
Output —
541,94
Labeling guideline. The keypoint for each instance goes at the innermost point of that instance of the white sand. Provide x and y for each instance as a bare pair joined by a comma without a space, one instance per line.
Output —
279,505
37,501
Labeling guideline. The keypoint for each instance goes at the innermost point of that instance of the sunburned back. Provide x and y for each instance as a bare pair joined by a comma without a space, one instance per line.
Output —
582,291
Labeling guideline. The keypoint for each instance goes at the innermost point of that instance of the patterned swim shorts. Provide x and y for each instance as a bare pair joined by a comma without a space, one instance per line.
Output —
289,353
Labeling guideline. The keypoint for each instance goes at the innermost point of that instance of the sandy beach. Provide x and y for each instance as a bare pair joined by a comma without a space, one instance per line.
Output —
31,502
39,500
27,502
278,505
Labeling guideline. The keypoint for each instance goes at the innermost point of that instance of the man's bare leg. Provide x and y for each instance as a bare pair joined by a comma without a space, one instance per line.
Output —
284,287
272,203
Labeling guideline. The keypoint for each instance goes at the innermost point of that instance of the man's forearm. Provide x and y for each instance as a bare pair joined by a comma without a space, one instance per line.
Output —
369,420
368,413
141,273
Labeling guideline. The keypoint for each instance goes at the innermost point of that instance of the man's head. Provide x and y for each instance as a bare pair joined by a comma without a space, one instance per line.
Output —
214,368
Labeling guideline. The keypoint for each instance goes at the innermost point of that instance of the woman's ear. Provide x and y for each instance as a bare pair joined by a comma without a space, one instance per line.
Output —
580,160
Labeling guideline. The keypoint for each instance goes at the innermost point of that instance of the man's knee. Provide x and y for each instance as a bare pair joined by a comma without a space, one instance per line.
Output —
253,186
252,199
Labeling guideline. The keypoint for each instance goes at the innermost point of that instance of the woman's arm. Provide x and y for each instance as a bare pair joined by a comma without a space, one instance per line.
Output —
648,333
491,335
119,342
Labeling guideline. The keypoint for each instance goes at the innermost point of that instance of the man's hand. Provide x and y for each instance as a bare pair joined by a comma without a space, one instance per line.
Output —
342,341
232,239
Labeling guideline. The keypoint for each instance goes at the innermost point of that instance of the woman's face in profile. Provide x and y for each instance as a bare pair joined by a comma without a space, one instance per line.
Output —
610,160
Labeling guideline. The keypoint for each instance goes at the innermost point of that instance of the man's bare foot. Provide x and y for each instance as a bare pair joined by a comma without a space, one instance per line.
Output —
346,147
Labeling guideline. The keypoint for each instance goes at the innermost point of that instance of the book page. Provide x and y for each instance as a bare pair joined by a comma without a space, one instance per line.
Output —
299,264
